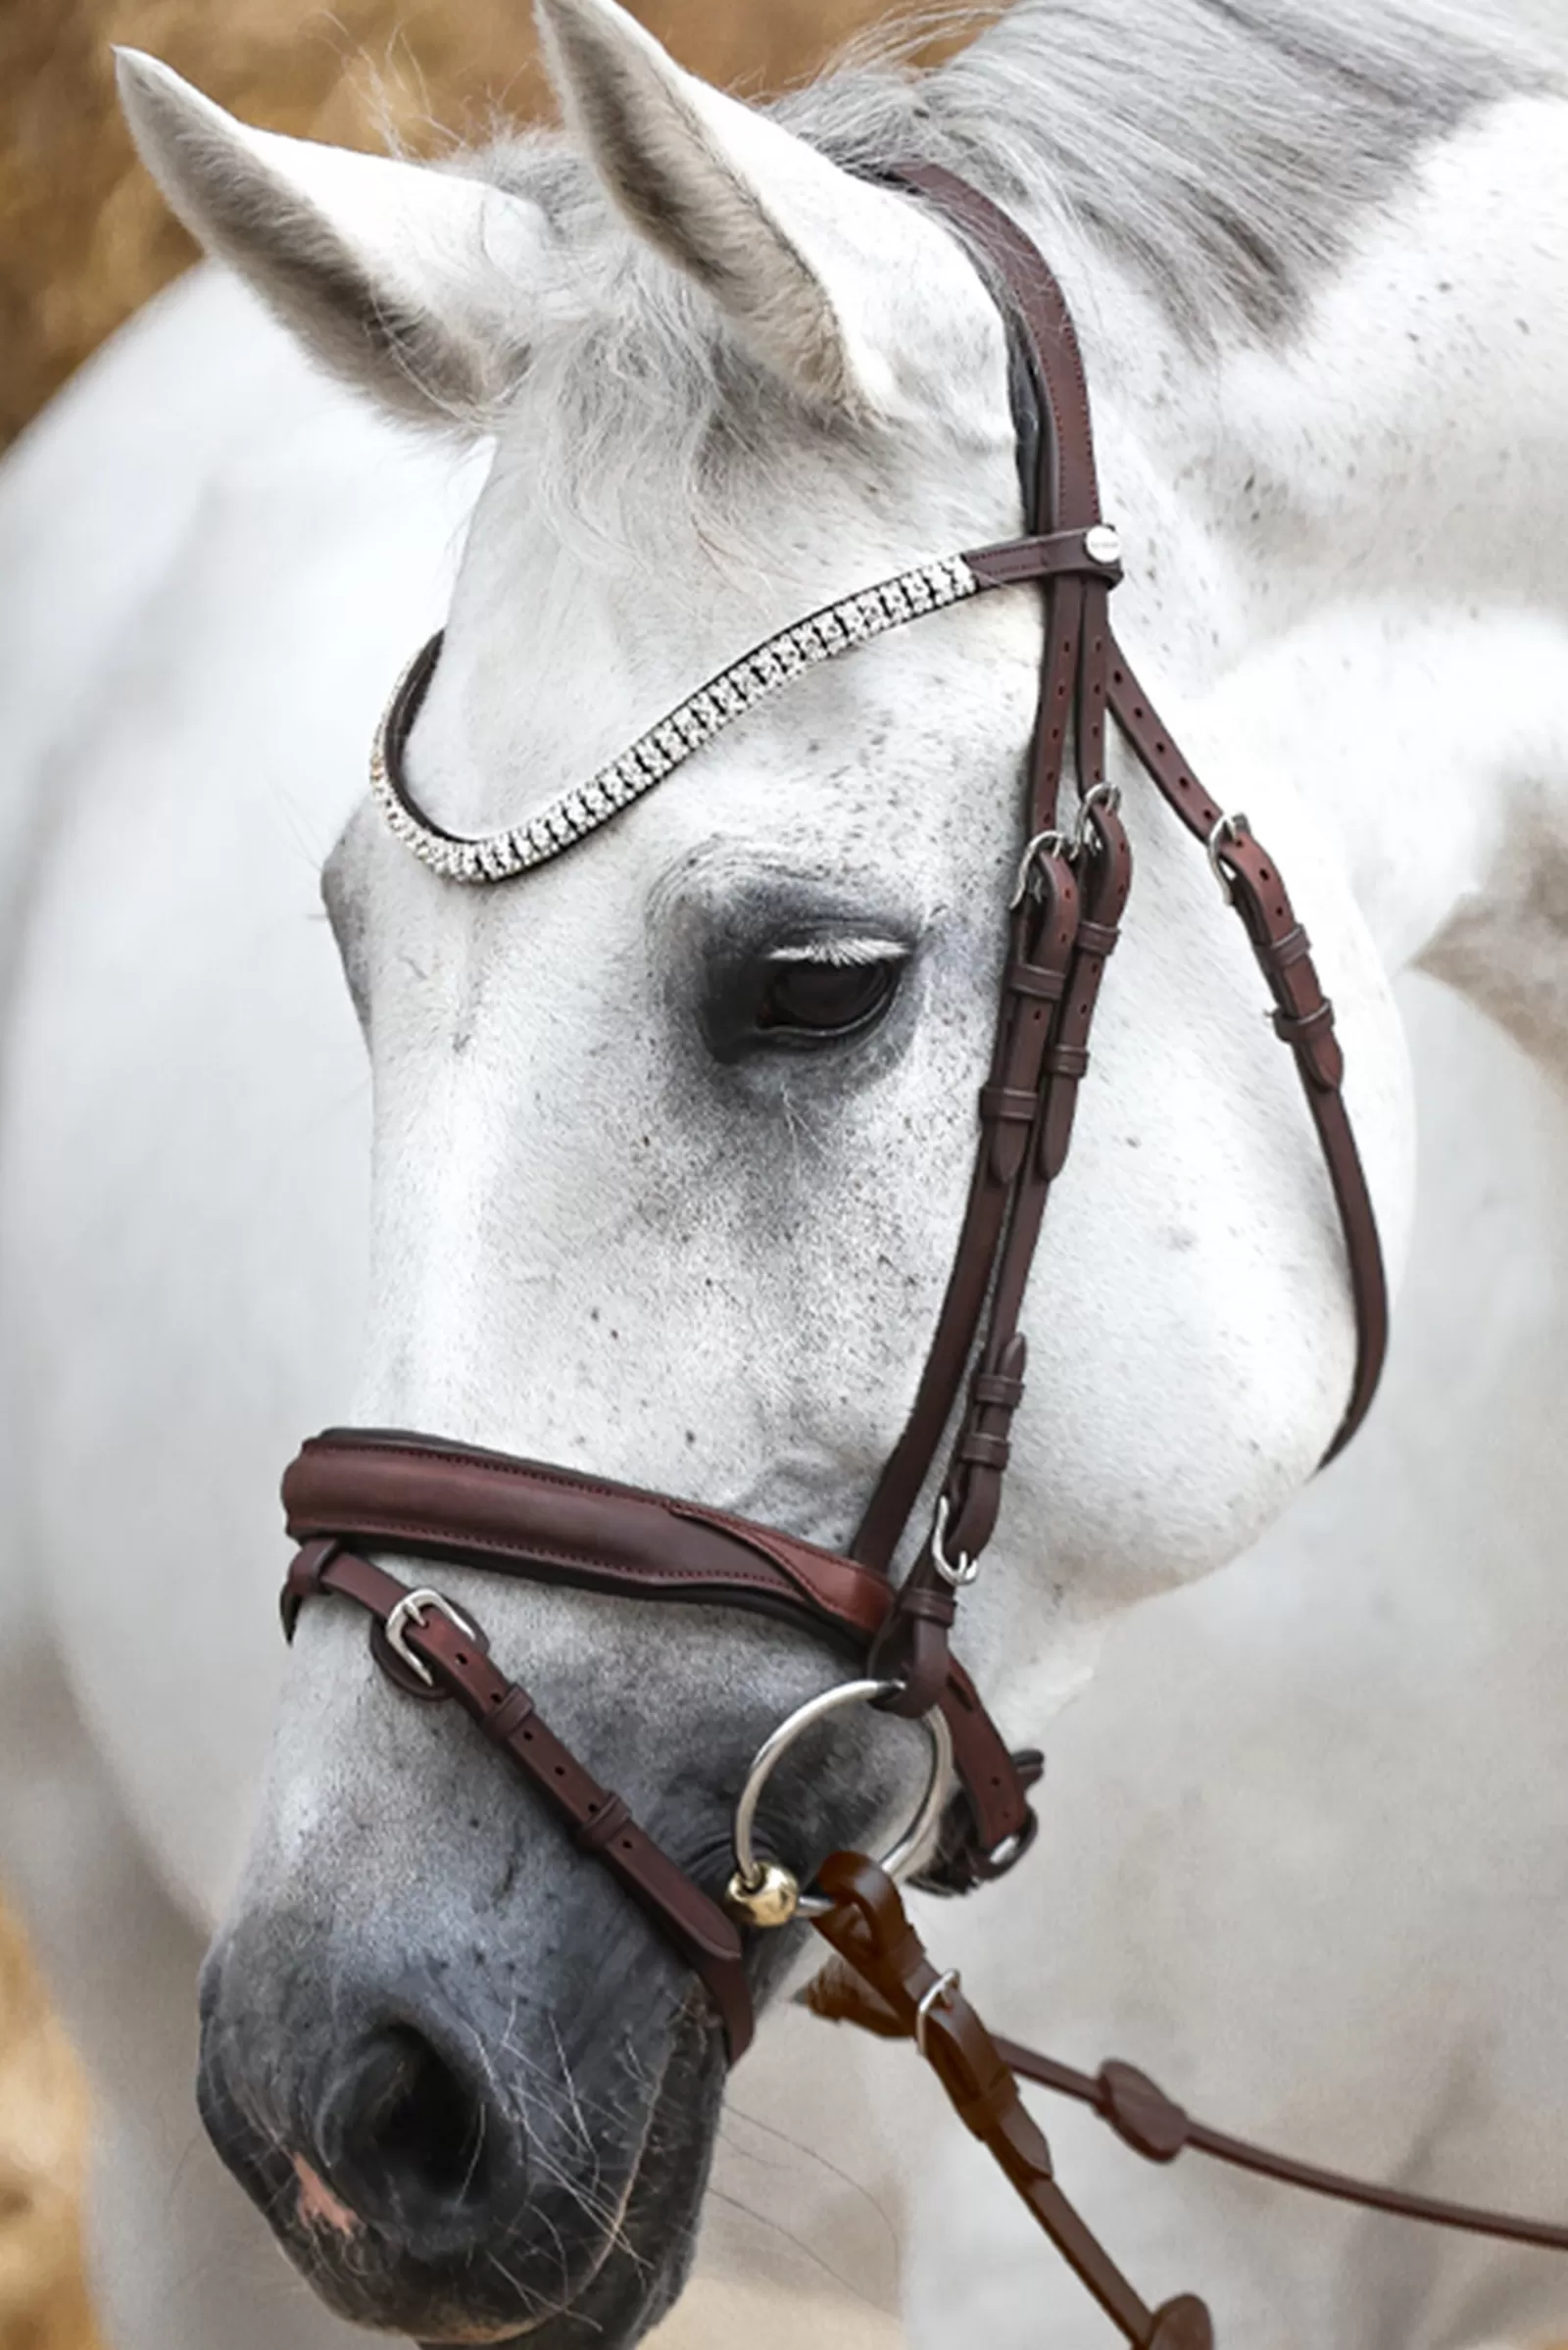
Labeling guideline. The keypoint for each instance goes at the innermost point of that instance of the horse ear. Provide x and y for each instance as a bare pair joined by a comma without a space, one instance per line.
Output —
410,282
812,266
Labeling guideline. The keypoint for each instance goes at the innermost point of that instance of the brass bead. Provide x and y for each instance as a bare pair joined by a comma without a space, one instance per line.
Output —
768,1899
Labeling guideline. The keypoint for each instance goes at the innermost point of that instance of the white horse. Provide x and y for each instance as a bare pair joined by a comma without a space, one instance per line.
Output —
1319,264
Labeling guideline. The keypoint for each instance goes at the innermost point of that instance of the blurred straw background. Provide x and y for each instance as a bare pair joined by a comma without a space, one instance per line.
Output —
43,2300
84,240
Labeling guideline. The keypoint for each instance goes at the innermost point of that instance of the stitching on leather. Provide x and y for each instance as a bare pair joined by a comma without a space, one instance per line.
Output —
700,1512
649,1580
461,1459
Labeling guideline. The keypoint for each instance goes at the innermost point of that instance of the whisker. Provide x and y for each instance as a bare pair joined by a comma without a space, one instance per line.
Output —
813,2154
777,2228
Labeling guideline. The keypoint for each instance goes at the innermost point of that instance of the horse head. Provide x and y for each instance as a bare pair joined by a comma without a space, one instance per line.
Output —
673,1131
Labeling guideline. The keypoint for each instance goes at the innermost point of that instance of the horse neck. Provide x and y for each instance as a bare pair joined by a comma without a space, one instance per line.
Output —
1360,594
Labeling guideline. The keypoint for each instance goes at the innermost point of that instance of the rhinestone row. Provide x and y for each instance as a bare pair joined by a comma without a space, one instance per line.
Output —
501,856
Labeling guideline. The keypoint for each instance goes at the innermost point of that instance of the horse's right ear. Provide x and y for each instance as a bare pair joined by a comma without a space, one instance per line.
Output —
414,283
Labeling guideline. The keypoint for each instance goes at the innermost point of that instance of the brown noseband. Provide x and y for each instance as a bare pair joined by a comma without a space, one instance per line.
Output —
354,1491
416,1496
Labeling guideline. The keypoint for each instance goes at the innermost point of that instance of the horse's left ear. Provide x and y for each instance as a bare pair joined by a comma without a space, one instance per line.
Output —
417,285
838,286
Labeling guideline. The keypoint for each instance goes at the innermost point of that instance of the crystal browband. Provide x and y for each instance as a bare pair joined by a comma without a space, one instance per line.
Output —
836,629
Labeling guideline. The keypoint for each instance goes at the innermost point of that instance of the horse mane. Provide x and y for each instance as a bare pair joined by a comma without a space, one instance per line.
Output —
1221,152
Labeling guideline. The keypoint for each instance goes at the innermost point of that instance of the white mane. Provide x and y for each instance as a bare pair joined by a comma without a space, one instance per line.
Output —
1228,171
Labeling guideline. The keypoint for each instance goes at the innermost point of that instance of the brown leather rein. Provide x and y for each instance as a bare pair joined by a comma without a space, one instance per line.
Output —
351,1492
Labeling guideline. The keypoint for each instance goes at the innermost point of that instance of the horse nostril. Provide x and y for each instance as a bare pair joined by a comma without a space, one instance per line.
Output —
407,2131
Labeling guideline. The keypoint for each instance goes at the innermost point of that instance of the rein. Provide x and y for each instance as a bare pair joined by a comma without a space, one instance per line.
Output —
883,1981
351,1491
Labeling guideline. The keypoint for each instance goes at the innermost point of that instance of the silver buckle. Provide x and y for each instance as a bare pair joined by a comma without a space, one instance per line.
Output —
1058,843
939,1995
1229,828
412,1608
1099,795
956,1573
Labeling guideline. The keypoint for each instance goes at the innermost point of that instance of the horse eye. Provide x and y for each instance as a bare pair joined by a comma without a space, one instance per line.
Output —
820,1000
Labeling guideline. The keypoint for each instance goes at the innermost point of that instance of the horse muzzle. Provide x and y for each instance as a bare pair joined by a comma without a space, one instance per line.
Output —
428,2156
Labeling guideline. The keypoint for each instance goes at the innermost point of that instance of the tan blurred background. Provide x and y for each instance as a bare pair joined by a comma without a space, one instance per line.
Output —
83,236
84,239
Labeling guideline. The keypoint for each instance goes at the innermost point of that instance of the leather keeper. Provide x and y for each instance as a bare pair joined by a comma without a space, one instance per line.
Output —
605,1825
1293,948
1303,1028
1031,979
1068,1060
983,1451
1097,938
303,1582
995,1393
926,1602
982,2114
911,1650
1004,1105
509,1716
1310,1036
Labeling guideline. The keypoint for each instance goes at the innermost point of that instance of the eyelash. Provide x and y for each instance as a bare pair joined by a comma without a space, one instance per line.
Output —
839,955
817,1000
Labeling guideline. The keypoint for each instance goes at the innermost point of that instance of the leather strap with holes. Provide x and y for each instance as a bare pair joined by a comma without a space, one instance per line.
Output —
883,1981
908,1999
1056,959
353,1491
455,1654
423,1497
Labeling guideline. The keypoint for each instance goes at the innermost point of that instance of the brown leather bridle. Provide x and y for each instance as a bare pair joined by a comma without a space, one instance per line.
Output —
352,1492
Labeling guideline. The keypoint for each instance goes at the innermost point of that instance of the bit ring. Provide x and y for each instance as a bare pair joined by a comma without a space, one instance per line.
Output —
911,1849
